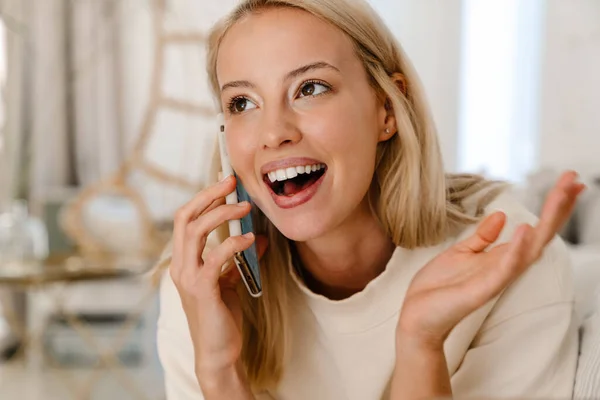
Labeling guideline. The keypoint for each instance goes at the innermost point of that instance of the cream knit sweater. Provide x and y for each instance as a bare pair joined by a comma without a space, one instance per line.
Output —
522,344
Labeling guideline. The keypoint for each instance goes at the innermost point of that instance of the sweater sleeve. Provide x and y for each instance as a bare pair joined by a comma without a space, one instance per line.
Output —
531,355
528,343
587,382
175,348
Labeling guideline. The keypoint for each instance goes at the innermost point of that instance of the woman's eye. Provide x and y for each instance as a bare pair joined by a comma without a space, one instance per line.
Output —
240,104
312,89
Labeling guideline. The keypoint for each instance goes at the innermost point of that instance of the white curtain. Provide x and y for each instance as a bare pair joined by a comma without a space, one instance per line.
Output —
95,82
63,102
12,13
80,88
47,97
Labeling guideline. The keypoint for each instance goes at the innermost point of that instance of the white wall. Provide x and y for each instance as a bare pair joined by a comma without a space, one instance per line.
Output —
570,107
430,33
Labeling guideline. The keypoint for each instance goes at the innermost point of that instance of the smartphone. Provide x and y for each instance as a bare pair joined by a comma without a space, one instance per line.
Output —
247,260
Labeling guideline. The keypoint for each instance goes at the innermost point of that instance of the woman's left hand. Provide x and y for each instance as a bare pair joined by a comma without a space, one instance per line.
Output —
465,277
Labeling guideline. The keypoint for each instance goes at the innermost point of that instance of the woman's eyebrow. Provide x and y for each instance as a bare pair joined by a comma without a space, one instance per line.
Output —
237,84
309,67
290,75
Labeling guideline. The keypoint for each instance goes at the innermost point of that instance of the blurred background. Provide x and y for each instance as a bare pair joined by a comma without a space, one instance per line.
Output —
107,124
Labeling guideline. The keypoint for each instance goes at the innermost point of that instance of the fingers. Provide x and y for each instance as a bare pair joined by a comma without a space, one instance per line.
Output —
528,242
230,276
218,256
492,279
190,211
515,260
557,209
218,202
211,220
487,233
198,230
204,199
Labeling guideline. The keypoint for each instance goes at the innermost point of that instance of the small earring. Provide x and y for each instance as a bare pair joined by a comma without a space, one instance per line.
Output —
387,130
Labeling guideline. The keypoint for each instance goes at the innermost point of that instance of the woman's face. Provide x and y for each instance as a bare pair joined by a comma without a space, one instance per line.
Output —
296,98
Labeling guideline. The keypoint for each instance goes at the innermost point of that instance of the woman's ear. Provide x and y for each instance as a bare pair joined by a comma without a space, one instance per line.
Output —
390,128
400,81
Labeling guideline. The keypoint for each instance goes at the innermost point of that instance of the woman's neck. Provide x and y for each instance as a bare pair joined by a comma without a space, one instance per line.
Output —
347,259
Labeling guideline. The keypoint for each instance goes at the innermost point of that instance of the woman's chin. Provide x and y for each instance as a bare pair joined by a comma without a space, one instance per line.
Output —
301,229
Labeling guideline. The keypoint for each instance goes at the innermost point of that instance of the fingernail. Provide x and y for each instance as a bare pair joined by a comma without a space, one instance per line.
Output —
242,204
223,180
248,235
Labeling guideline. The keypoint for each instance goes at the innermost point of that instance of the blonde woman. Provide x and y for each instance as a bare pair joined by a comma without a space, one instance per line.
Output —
383,276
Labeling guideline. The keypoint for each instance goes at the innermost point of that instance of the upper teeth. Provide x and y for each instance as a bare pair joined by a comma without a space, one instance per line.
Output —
292,172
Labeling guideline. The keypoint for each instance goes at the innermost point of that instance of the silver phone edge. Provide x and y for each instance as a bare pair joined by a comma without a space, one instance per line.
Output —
242,265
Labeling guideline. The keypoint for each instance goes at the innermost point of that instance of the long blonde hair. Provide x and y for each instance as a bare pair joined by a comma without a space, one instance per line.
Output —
416,202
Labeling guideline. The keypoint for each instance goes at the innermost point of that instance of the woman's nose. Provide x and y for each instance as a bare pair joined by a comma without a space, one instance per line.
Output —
279,129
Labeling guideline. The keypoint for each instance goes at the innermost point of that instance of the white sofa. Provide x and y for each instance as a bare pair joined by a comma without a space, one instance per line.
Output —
586,265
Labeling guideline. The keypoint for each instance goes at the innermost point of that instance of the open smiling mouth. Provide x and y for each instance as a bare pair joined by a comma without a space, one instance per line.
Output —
293,180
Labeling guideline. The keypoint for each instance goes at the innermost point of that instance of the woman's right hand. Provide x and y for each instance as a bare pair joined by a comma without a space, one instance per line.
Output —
209,297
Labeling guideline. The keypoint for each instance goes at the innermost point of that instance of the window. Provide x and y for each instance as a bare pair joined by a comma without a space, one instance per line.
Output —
501,46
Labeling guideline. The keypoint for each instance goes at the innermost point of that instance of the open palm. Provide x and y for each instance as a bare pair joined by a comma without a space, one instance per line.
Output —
465,277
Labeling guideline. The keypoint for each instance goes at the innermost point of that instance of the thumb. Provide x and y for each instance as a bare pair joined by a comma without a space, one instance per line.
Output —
261,245
487,233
